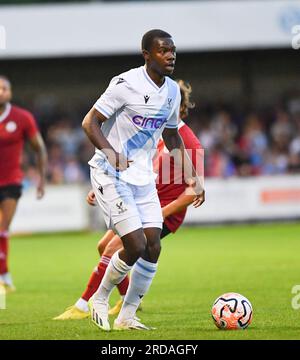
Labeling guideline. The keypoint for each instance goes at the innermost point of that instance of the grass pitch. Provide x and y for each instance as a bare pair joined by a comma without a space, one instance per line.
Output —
262,262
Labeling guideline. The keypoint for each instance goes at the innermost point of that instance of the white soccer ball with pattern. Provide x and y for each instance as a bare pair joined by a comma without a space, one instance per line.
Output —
232,311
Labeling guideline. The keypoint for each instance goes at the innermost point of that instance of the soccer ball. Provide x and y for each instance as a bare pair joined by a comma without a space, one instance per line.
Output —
232,311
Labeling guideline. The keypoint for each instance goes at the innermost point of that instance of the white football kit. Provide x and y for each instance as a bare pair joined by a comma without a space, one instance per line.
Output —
137,111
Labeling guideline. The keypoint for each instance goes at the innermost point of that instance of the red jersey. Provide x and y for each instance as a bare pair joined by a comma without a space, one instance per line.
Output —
16,126
169,191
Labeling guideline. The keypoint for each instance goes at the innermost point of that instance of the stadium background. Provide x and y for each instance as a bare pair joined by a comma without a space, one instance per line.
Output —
245,77
246,91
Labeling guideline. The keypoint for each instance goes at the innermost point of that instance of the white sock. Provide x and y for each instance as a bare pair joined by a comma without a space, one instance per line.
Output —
82,305
7,279
115,272
141,278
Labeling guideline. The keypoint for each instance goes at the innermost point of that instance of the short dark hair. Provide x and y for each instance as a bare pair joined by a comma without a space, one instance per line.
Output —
150,35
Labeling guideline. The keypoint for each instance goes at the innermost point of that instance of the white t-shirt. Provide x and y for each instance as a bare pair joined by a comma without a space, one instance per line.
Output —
137,111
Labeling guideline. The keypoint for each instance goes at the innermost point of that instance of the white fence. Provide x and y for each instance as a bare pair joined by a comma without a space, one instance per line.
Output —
250,199
62,209
253,199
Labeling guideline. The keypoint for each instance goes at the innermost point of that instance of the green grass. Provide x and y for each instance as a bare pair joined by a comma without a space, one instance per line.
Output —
197,265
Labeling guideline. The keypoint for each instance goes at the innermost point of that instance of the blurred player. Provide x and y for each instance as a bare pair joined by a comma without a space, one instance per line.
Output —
137,108
174,199
16,126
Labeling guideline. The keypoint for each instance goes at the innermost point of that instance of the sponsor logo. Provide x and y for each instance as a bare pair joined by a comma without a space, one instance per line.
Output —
149,122
120,81
121,208
11,126
146,97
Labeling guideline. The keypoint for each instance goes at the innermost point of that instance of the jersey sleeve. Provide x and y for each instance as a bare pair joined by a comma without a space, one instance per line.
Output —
113,98
30,128
172,122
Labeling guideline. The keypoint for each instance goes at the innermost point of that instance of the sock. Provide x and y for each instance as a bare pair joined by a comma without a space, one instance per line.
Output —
116,271
141,278
82,305
3,252
7,279
123,286
96,278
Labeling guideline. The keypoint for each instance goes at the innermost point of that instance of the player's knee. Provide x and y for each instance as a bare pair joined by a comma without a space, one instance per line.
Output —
153,251
4,227
138,249
4,223
101,247
112,248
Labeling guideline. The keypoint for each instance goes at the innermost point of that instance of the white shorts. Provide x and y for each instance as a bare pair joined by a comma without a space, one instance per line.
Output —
126,207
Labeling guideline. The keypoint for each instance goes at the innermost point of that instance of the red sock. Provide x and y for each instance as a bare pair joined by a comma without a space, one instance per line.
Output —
96,278
3,252
123,286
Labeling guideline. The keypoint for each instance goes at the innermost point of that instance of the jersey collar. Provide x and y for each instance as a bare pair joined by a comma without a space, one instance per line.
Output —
151,82
6,112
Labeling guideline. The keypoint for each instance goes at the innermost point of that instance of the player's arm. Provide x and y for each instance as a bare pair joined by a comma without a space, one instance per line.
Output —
184,200
37,144
173,141
92,127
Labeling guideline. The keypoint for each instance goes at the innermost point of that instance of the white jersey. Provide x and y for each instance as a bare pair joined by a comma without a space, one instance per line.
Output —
137,111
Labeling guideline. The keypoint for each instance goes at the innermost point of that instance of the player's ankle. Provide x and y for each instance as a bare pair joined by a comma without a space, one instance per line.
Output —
82,305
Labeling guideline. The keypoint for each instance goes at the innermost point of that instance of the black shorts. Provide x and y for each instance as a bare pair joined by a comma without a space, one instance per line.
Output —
10,192
165,231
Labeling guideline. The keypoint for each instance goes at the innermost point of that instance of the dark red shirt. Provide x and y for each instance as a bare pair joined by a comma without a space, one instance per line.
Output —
16,126
170,181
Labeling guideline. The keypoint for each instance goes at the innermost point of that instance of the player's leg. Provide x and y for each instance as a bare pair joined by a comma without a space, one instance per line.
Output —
7,209
142,275
111,248
145,267
116,200
114,245
99,271
123,286
134,244
81,310
104,241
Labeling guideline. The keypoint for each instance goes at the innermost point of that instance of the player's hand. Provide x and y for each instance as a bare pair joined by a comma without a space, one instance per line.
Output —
119,161
197,187
40,190
199,199
91,198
